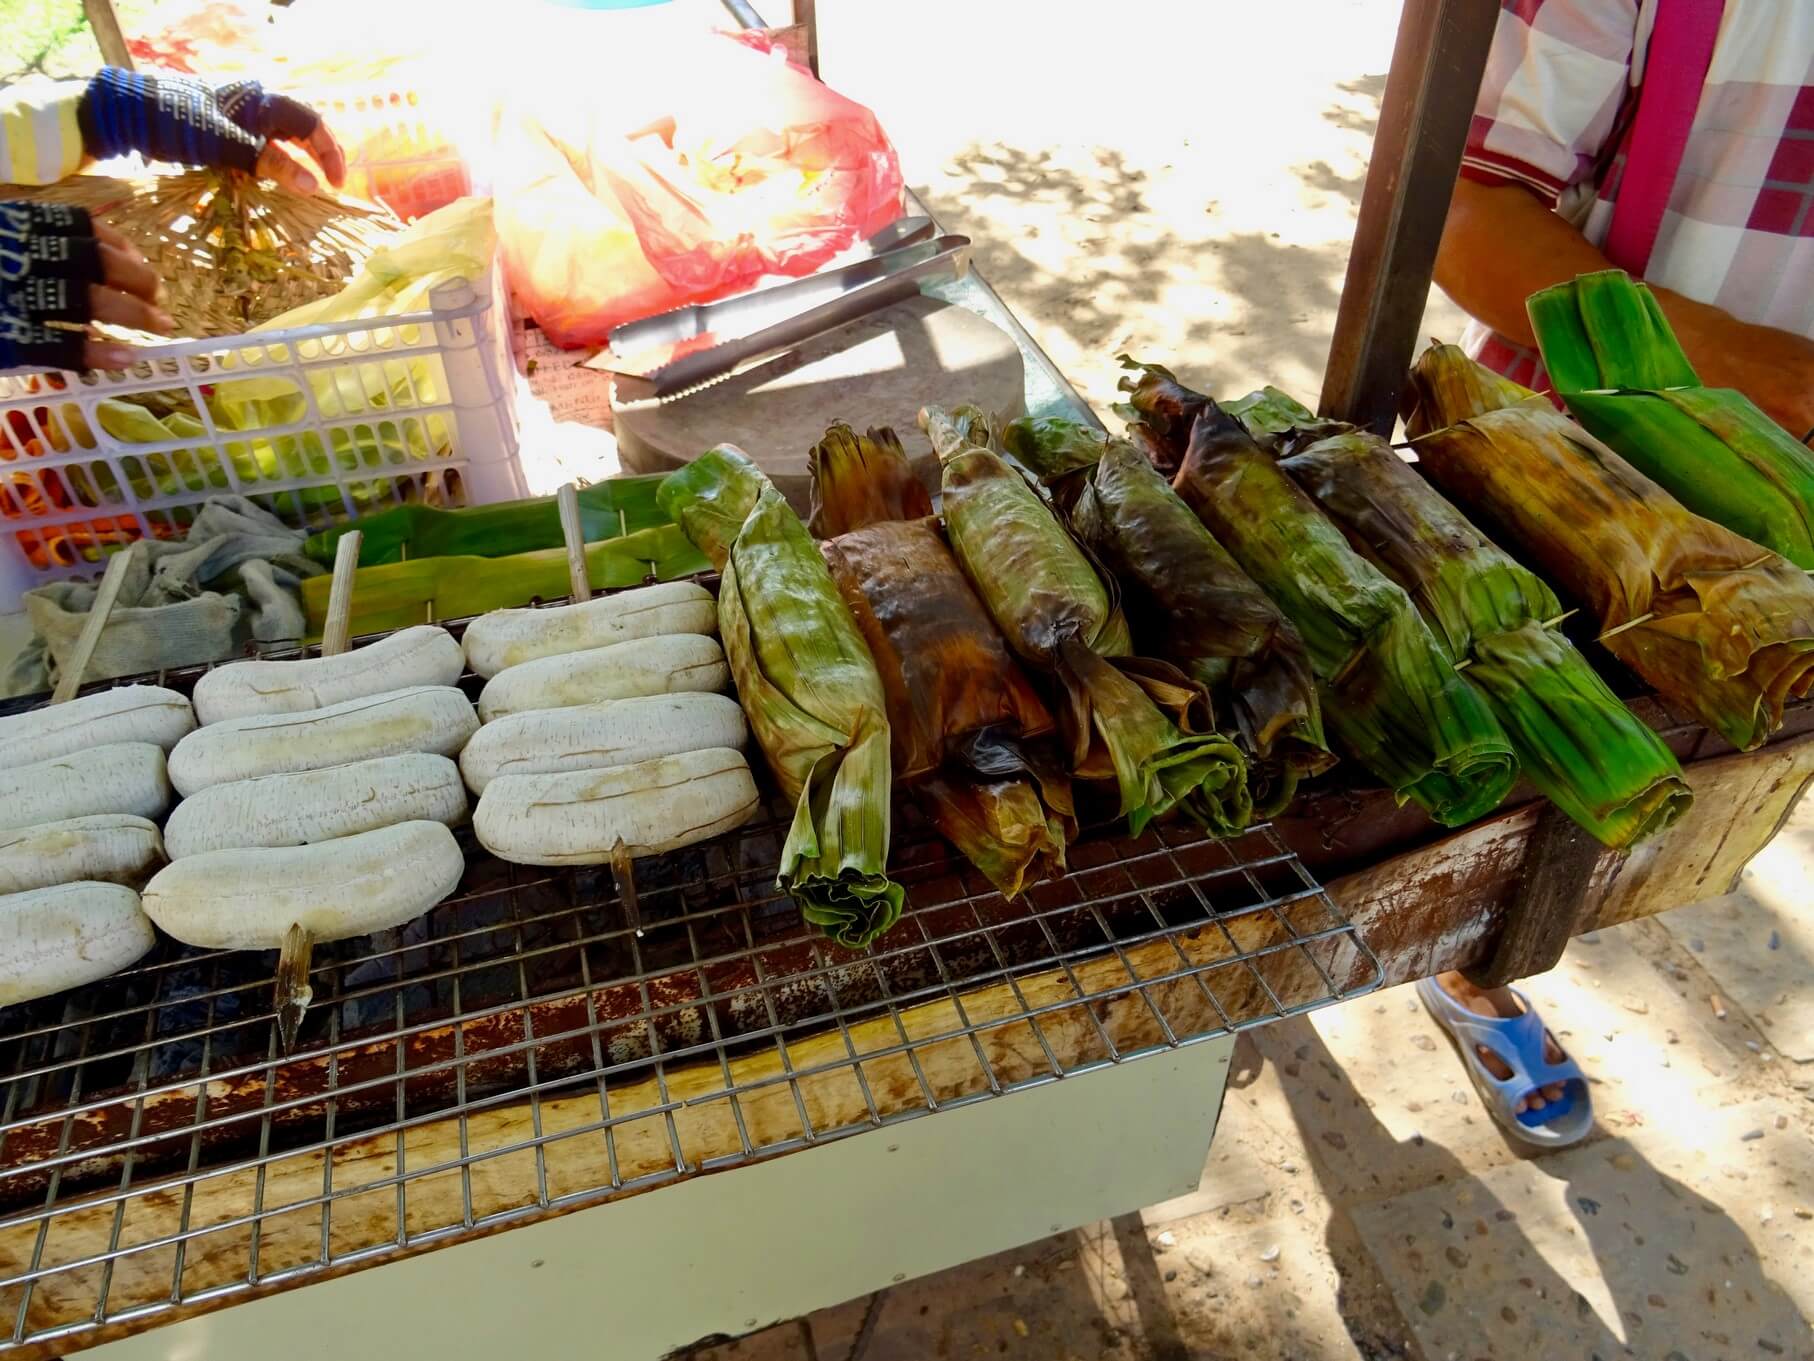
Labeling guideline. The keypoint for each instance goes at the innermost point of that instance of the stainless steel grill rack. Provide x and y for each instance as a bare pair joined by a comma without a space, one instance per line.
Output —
520,1052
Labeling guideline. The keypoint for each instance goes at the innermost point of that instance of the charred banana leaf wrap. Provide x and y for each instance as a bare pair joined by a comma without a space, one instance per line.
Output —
966,721
1061,618
1714,623
1579,745
808,686
1188,600
1390,690
1616,362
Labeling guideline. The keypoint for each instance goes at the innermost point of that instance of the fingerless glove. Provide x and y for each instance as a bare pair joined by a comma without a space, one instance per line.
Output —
48,259
174,118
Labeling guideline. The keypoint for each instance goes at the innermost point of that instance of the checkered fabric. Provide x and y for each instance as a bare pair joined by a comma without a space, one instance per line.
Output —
1554,116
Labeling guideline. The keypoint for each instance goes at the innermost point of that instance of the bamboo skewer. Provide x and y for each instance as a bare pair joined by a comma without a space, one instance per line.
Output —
579,576
89,638
579,581
623,870
293,989
337,629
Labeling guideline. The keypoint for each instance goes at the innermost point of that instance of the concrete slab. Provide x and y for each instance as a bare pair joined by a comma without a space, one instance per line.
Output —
1642,1246
1758,943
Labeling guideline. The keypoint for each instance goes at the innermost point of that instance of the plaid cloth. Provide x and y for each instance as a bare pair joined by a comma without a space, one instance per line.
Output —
1554,116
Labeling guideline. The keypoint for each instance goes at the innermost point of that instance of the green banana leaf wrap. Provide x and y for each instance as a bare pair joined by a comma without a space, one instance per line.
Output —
1060,618
1583,749
1390,690
1189,601
1616,362
969,732
607,510
394,595
808,686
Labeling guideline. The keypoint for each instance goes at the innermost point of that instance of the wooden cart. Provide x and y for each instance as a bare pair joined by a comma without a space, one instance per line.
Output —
722,1120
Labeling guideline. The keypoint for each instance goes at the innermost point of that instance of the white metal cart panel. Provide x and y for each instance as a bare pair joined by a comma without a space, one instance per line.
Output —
729,1253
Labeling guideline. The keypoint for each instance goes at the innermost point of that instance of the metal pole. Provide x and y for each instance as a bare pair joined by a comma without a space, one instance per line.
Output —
744,13
1423,126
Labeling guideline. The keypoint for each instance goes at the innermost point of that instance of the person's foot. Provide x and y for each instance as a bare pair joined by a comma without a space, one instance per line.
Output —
1501,1003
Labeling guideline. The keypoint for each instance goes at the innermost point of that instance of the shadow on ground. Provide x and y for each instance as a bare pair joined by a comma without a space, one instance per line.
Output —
1520,1304
1135,269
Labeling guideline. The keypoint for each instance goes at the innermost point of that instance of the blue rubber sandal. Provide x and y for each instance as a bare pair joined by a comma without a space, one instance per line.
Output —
1518,1041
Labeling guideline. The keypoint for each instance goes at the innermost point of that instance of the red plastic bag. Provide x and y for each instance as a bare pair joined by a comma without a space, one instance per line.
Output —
684,177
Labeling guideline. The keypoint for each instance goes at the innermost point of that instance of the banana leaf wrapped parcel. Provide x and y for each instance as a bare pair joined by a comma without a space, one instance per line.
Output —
1390,690
1714,623
970,734
1061,618
1188,600
861,480
1163,404
808,687
1582,748
1616,362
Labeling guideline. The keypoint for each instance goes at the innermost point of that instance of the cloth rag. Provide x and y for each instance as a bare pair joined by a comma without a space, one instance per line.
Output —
233,580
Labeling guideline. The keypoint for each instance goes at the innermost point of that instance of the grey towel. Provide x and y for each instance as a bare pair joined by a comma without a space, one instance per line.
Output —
232,580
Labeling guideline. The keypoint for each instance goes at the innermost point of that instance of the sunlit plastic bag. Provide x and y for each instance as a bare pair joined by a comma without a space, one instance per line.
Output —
686,176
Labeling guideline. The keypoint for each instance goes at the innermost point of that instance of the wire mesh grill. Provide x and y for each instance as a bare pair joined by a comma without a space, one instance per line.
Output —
521,1051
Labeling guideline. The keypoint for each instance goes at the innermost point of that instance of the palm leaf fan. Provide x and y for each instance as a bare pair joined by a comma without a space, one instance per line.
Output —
233,252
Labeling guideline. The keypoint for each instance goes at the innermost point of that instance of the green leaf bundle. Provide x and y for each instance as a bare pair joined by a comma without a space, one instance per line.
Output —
1614,359
1390,690
1189,601
1582,748
808,686
1060,617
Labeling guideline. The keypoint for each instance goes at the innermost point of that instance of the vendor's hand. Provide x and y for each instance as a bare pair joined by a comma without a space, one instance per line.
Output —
237,127
127,295
280,119
60,271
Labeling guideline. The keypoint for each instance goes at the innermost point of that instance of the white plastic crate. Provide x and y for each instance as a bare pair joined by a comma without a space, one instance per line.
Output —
367,415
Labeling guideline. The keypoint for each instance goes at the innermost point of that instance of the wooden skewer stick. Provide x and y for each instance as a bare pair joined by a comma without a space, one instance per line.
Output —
579,576
86,641
336,631
1613,632
623,869
294,991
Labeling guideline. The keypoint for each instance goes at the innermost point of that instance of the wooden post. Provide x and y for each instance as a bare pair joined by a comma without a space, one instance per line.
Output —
1546,907
107,34
1423,126
806,15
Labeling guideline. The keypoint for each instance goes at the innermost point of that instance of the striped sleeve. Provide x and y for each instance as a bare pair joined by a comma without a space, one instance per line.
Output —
40,139
1558,71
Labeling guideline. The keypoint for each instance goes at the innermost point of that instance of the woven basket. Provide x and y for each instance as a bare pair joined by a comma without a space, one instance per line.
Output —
233,252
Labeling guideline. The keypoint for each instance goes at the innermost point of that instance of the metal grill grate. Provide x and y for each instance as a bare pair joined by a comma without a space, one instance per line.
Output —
520,1052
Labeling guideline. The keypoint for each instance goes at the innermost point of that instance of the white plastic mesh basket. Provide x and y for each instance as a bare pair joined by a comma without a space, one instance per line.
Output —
316,424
